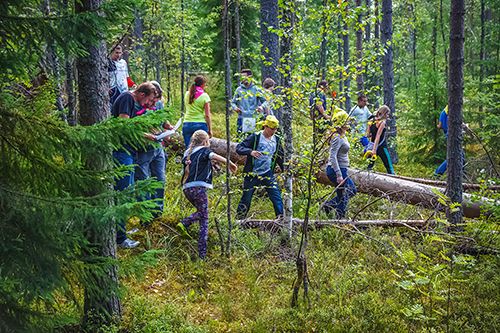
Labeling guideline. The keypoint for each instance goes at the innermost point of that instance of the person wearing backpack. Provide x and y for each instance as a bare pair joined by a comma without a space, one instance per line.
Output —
264,151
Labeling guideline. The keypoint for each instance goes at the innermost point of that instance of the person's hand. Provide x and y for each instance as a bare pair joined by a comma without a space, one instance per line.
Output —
326,116
260,109
340,180
238,110
256,154
150,136
167,126
209,133
233,167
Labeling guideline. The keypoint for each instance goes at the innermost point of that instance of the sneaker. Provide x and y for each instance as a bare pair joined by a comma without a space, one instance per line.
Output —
129,244
183,231
133,231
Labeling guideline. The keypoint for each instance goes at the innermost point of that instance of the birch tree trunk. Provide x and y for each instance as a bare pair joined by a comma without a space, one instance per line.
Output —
455,101
101,302
347,79
286,123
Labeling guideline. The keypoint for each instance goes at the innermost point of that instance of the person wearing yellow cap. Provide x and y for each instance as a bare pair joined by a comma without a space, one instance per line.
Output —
338,162
264,150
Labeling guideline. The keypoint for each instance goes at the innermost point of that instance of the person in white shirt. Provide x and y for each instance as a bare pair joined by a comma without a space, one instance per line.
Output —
119,78
361,113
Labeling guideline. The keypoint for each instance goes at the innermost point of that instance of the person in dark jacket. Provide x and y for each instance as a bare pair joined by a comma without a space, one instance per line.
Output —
264,150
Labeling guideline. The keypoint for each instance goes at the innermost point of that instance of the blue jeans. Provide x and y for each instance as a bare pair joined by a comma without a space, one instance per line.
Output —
344,193
151,163
123,157
189,128
441,169
273,191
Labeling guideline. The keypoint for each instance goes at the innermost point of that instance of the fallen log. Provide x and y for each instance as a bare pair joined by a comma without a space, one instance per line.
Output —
382,185
277,224
440,183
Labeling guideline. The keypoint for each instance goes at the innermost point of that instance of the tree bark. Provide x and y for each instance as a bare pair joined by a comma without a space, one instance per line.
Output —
237,34
183,59
368,27
347,79
339,57
101,302
388,72
324,41
455,101
270,51
376,35
227,152
286,123
445,42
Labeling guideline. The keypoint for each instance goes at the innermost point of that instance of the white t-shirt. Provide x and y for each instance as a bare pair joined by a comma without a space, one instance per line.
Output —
361,115
118,78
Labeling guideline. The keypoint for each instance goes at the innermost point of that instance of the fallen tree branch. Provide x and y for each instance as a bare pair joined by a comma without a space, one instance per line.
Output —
440,183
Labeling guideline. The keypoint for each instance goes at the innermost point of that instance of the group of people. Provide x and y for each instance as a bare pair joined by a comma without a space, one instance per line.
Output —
263,148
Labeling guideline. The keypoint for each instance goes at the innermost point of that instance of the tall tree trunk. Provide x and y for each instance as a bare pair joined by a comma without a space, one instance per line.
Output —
70,91
286,123
388,71
376,35
435,105
183,58
52,62
368,27
360,84
101,302
339,57
270,41
413,37
237,35
324,42
482,55
227,79
455,102
347,79
169,86
138,30
445,42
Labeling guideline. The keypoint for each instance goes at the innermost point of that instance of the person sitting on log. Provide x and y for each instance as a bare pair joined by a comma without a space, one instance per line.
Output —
376,132
264,150
338,163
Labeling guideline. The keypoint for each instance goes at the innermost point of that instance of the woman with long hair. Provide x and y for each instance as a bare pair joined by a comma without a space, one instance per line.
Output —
197,116
376,132
197,178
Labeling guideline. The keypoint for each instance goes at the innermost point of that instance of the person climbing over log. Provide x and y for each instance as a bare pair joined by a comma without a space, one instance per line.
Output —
247,102
198,115
264,150
197,178
338,162
376,132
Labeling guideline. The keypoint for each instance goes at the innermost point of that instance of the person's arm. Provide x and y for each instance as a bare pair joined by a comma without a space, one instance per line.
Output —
334,149
245,148
377,137
124,115
232,167
235,100
208,118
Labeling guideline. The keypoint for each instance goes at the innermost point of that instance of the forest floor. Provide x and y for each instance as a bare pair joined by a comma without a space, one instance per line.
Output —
369,280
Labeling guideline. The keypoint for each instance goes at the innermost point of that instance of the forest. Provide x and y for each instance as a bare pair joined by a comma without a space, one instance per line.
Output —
249,166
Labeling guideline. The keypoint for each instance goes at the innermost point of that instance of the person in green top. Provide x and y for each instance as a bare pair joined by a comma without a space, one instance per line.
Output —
197,114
